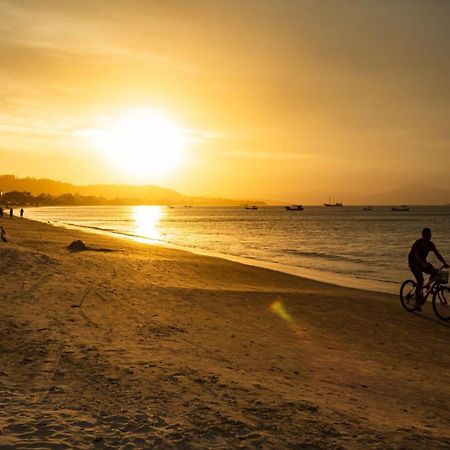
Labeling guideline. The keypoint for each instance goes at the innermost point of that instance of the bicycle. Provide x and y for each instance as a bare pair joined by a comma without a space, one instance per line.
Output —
440,299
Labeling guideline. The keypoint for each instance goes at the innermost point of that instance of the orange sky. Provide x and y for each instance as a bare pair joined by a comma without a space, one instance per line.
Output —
275,98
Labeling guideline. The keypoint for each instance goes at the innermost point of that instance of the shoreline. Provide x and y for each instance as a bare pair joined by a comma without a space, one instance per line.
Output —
326,277
151,347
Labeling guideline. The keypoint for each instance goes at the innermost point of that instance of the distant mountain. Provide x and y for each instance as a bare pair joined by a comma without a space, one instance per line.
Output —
413,194
123,193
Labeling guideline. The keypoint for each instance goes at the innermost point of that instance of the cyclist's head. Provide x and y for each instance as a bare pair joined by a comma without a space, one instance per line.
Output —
426,234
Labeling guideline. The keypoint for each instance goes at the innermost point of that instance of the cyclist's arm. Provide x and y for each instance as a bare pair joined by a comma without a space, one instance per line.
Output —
440,257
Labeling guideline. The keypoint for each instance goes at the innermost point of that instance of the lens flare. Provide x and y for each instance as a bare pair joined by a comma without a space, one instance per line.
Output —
279,309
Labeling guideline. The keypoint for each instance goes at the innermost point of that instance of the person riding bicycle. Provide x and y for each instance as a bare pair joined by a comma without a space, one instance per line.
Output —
417,261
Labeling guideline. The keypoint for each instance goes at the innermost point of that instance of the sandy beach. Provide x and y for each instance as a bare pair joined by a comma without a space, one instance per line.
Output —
128,345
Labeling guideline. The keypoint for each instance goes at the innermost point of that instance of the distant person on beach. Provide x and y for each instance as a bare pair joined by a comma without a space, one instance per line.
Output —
1,212
11,212
2,234
417,261
21,212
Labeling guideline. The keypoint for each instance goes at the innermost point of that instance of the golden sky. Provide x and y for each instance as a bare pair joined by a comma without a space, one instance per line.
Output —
273,99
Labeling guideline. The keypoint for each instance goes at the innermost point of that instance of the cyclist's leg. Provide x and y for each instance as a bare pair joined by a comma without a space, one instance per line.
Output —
430,270
417,272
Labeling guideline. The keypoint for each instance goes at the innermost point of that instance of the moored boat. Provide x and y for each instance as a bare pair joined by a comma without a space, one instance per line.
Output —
368,208
294,208
251,207
400,208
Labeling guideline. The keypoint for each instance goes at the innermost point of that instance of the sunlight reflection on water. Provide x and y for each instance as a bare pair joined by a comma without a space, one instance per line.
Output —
147,221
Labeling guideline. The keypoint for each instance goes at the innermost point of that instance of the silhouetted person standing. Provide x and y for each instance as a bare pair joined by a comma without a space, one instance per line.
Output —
1,212
21,212
11,212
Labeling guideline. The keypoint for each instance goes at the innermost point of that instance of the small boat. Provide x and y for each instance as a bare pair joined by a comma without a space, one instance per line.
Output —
170,206
368,208
294,208
400,208
251,207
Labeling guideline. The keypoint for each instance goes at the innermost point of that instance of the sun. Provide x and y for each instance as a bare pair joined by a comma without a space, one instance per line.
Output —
141,143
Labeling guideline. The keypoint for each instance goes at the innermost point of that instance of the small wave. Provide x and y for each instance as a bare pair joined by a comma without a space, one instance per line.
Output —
92,227
382,280
327,256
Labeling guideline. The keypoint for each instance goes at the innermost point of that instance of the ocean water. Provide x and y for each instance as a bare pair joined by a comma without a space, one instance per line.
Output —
346,245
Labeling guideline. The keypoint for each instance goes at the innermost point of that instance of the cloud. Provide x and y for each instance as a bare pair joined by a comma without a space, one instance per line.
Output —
279,156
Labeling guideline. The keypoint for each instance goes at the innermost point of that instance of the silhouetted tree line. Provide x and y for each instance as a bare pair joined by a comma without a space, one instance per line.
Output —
27,199
25,191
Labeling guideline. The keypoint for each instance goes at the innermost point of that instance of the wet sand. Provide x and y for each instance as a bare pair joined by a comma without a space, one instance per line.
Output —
149,347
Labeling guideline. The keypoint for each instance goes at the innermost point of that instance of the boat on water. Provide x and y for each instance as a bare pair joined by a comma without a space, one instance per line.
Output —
294,208
368,208
400,208
333,203
251,207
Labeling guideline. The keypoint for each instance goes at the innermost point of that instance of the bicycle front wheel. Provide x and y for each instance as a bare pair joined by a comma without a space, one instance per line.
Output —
408,295
441,303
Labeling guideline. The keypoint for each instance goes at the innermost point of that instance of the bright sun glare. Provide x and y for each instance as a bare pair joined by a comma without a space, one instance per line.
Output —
143,143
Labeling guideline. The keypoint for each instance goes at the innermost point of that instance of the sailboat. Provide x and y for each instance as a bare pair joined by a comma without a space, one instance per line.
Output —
333,203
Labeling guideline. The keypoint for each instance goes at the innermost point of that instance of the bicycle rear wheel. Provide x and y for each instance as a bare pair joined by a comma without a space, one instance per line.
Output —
408,295
441,303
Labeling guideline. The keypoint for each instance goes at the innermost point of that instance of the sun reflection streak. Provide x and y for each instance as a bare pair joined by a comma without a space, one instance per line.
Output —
279,309
147,220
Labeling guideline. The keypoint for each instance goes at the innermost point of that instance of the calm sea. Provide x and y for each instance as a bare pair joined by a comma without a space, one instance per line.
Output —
346,245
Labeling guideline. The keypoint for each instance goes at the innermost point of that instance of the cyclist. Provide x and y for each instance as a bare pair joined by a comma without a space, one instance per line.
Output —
417,261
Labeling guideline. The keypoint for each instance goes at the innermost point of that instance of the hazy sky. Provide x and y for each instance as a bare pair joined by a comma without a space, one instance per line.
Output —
274,97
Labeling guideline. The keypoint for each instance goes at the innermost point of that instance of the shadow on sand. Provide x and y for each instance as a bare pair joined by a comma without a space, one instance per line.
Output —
434,319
